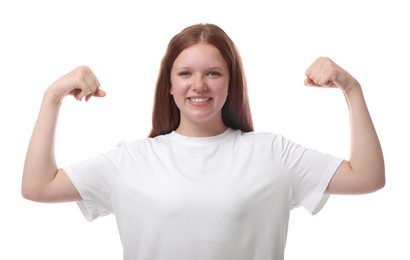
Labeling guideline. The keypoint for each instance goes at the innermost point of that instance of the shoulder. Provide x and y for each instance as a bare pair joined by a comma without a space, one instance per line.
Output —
259,136
260,139
144,143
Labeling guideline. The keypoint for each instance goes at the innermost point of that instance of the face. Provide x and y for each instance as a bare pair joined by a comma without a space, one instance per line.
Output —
200,81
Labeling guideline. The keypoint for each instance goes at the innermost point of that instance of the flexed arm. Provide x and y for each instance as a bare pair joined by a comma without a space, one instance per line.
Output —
42,180
364,171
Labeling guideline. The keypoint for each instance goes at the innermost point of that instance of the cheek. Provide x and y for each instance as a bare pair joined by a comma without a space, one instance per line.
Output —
177,93
179,87
224,89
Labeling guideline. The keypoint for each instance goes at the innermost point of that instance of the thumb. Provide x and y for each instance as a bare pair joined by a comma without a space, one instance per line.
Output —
97,93
309,82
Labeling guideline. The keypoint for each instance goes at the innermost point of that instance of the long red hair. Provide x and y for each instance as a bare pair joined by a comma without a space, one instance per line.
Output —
236,112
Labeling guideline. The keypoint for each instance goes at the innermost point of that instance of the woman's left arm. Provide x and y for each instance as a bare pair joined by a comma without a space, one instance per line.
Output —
364,171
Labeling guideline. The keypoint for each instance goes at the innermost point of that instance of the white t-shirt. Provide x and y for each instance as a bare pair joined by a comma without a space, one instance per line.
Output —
215,198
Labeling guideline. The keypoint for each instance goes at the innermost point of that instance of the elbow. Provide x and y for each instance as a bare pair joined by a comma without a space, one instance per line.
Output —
31,188
381,183
32,196
369,183
26,195
29,192
26,189
380,179
378,183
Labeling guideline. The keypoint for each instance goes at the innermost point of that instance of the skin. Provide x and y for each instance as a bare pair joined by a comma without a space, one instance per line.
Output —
42,180
200,71
364,172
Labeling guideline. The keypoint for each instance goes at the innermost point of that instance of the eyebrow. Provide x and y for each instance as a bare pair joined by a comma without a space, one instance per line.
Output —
209,68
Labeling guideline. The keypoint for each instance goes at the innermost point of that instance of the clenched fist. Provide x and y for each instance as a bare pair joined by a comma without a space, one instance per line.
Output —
325,73
81,82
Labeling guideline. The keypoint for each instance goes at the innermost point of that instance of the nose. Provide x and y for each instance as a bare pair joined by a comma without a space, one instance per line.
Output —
199,85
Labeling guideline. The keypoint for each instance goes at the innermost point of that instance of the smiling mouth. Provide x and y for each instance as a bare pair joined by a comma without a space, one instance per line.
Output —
199,100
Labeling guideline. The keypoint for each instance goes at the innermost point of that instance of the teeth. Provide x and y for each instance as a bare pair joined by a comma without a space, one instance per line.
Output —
199,100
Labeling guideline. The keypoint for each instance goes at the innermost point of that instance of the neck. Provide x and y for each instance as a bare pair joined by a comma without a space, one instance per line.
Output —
205,130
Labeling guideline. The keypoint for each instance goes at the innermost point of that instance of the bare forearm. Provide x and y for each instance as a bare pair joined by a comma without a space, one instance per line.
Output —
40,165
42,180
366,158
364,172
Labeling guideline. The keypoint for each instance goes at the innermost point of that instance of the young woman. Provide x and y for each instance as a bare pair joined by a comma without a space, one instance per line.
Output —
203,185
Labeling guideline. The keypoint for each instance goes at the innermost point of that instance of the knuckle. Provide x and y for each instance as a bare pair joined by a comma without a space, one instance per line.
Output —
84,68
83,71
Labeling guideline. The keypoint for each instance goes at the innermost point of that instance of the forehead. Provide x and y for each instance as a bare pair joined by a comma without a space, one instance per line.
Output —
200,53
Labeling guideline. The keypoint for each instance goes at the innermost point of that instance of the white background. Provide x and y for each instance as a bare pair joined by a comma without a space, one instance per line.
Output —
123,43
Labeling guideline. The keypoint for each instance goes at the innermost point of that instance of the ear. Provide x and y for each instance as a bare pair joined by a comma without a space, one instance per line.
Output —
170,91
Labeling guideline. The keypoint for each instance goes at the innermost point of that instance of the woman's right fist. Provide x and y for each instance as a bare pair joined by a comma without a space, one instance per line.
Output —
80,82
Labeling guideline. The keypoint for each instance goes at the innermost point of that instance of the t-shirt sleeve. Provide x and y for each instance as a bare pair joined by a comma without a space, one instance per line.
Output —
94,180
310,172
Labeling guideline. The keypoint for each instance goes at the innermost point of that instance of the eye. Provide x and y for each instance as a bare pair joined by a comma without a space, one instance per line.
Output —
184,73
214,73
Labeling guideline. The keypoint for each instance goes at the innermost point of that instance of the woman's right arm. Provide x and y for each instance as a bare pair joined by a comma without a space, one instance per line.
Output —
42,180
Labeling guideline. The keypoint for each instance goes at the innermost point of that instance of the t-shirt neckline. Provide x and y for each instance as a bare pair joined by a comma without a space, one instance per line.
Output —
200,140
